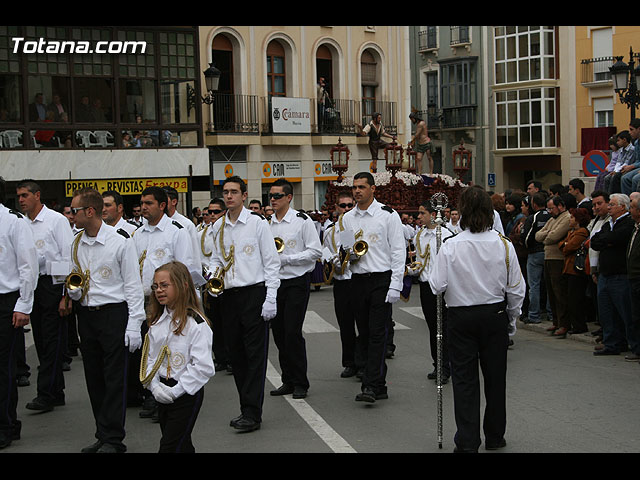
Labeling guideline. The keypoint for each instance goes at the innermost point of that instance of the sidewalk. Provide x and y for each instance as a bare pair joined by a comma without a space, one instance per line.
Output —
542,328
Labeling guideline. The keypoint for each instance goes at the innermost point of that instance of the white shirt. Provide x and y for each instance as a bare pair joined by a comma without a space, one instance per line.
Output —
255,257
427,242
163,243
205,245
301,243
193,234
456,228
497,222
470,269
18,259
190,353
383,232
331,241
126,226
52,238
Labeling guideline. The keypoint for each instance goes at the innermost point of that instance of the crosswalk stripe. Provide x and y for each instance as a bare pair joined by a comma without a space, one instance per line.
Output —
415,311
314,323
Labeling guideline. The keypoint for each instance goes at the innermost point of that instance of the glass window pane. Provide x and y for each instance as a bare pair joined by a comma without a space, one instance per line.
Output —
278,65
178,102
93,99
137,101
48,99
10,104
525,140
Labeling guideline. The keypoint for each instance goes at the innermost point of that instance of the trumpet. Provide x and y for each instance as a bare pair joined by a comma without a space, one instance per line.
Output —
215,284
77,278
413,268
360,247
279,244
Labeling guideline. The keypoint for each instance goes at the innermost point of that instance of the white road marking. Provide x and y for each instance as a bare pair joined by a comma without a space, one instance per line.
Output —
415,311
314,323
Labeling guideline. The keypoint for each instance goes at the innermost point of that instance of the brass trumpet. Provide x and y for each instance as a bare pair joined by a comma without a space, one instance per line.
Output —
413,268
279,244
215,284
360,247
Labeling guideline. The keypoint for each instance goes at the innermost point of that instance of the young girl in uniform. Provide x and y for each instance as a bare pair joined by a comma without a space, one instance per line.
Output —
177,360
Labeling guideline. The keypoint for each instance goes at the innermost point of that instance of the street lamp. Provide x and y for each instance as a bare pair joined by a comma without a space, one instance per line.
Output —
211,80
393,154
625,82
340,159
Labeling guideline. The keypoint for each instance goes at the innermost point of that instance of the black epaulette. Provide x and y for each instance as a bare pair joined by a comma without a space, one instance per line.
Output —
447,238
177,224
258,214
196,316
302,215
78,232
17,214
123,232
387,208
331,225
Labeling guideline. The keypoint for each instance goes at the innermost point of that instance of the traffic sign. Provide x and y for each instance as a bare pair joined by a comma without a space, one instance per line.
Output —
594,162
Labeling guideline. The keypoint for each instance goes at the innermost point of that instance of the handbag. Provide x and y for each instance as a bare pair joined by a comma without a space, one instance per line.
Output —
582,254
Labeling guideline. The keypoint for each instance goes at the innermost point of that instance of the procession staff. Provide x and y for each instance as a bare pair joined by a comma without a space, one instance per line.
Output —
160,240
246,249
113,211
342,289
19,263
52,238
476,270
301,250
110,308
426,251
178,355
376,279
211,305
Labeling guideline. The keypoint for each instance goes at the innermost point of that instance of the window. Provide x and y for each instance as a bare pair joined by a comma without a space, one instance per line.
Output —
524,53
603,109
526,118
458,84
276,70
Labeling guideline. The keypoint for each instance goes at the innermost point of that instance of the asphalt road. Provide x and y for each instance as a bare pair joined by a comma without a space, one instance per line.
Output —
561,399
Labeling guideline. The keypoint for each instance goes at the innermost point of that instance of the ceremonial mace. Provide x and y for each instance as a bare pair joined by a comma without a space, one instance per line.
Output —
439,202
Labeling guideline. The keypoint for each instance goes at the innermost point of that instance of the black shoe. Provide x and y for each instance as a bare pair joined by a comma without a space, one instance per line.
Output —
219,366
148,407
606,351
495,446
108,448
284,389
299,392
39,405
360,373
234,421
245,424
93,448
5,440
389,353
349,372
367,395
23,381
464,450
66,366
433,375
229,369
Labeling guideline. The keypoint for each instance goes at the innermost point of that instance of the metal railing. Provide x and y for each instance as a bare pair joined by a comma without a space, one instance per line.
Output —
596,69
454,117
427,39
234,113
388,110
338,117
459,34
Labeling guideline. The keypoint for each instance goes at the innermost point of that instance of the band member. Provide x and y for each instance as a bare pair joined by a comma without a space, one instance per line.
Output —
113,212
426,250
300,250
173,214
342,289
137,218
245,257
376,278
19,263
211,304
52,237
178,355
110,307
479,318
160,240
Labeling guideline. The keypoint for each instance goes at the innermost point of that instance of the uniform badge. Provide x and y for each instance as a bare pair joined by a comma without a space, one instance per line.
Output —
291,243
105,272
373,238
248,249
40,243
177,360
160,253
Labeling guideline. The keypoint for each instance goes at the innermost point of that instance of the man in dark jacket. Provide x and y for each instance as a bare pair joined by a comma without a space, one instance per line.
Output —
633,260
614,292
535,258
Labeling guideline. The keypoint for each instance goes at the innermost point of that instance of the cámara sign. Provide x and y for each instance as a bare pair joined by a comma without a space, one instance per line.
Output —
291,115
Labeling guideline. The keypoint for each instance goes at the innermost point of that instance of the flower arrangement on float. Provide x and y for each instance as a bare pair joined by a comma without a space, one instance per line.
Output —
384,178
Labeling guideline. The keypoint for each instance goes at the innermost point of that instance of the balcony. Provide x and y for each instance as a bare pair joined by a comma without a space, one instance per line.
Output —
595,71
450,117
233,114
427,40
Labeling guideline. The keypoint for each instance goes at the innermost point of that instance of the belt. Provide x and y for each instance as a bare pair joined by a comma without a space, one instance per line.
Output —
370,274
171,382
239,289
106,306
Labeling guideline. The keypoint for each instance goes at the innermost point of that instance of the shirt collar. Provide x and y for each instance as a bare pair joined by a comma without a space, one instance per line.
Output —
100,237
244,214
41,214
161,225
375,205
612,222
288,217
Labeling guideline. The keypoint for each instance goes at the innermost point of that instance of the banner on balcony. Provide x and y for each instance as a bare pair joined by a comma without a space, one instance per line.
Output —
291,115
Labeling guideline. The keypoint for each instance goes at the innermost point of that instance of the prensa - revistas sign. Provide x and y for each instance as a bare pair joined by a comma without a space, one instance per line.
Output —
291,115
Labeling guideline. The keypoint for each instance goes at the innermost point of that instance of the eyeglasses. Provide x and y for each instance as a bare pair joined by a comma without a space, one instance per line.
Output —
346,205
215,212
75,210
277,196
160,286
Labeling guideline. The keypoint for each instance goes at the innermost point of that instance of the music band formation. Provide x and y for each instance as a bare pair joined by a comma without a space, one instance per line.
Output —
161,305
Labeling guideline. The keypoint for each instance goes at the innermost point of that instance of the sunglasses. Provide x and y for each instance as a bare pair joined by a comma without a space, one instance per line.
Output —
277,196
346,205
75,210
215,212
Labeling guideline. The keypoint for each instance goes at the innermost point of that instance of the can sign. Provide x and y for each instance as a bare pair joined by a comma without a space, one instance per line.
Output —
594,162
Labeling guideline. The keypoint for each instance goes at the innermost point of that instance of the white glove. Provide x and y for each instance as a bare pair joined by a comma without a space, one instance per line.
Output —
392,296
269,309
133,339
162,393
75,294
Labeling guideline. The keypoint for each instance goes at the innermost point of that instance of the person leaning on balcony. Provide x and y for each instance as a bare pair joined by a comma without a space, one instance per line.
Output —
630,181
375,131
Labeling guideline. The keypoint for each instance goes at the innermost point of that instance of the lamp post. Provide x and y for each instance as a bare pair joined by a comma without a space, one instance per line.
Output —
625,82
411,159
340,159
211,80
393,157
461,160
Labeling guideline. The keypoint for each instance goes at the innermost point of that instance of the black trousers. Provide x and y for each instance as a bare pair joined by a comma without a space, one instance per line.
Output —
106,361
49,336
293,298
177,420
247,337
212,308
342,302
429,303
9,337
478,334
578,301
373,319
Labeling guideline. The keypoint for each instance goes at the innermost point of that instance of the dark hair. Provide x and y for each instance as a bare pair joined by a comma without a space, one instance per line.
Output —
30,185
218,201
569,201
345,194
287,188
577,184
172,193
375,115
427,206
536,183
557,201
236,179
600,193
367,176
3,190
158,193
539,199
635,123
256,201
626,135
117,198
557,189
415,116
581,215
90,197
476,209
